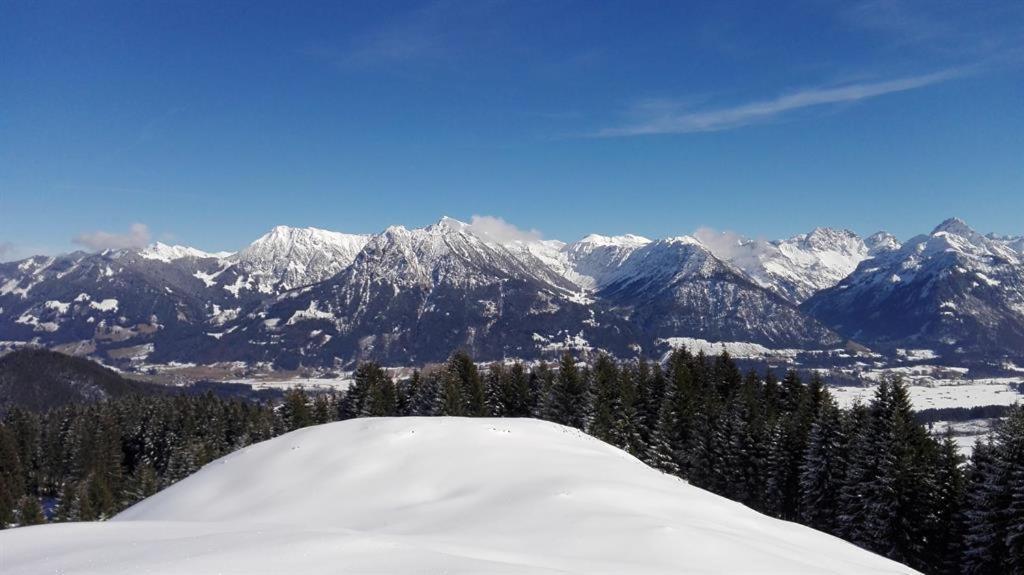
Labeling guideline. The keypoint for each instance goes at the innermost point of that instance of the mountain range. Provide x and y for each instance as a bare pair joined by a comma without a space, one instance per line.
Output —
310,297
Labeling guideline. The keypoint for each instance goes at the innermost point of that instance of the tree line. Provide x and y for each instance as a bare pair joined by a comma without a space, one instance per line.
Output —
871,474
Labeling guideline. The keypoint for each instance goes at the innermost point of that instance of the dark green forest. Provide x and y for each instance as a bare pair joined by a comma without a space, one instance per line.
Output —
871,474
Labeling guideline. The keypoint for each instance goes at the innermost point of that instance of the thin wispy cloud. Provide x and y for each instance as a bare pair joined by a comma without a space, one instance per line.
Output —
668,120
137,236
980,30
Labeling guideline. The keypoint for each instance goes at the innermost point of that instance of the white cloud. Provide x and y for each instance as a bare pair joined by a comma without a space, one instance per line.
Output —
733,247
501,231
663,120
137,236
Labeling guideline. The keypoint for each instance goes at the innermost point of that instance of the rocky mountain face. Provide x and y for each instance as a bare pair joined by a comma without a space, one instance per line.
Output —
410,296
952,290
675,286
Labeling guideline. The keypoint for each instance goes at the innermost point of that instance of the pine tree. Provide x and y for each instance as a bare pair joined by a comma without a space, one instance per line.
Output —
945,541
1010,463
607,401
425,394
494,390
517,392
568,403
463,373
29,511
822,470
381,398
984,534
295,412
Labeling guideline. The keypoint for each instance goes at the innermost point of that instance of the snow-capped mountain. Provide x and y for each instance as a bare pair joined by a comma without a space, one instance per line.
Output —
593,260
798,267
312,297
510,496
953,290
881,242
414,295
675,286
287,258
168,253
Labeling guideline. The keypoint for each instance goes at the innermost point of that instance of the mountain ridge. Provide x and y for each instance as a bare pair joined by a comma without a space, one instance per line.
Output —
306,296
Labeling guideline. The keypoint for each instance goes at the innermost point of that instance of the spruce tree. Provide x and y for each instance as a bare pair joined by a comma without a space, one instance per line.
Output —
607,407
1009,460
945,540
568,403
984,532
29,511
822,470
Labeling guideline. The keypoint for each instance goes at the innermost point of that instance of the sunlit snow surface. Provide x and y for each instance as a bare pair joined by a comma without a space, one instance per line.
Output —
433,495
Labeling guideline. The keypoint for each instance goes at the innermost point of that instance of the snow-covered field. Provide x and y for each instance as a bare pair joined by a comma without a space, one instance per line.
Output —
966,393
307,383
433,495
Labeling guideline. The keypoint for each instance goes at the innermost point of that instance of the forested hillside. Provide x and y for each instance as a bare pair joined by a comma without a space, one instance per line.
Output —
871,475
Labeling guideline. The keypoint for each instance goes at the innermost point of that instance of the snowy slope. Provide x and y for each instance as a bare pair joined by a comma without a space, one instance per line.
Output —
593,260
433,495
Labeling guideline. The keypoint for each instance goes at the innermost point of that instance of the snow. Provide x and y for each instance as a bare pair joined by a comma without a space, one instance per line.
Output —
58,306
433,495
104,305
917,354
168,253
311,313
210,279
737,349
11,286
996,391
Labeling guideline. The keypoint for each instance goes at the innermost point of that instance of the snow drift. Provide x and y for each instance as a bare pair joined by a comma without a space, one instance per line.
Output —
432,495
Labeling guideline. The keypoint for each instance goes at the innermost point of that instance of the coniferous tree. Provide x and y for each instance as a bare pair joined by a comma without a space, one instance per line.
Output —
425,394
380,397
607,407
462,372
945,540
1010,461
984,534
494,390
823,469
568,402
295,411
29,511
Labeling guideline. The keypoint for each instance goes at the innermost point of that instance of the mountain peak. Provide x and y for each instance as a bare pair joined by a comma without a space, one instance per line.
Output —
880,242
450,224
955,226
168,253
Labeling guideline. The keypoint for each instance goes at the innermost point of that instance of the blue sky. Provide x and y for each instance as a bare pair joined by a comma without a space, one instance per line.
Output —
207,123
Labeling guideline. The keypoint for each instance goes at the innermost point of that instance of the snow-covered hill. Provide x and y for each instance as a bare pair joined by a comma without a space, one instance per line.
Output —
433,495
